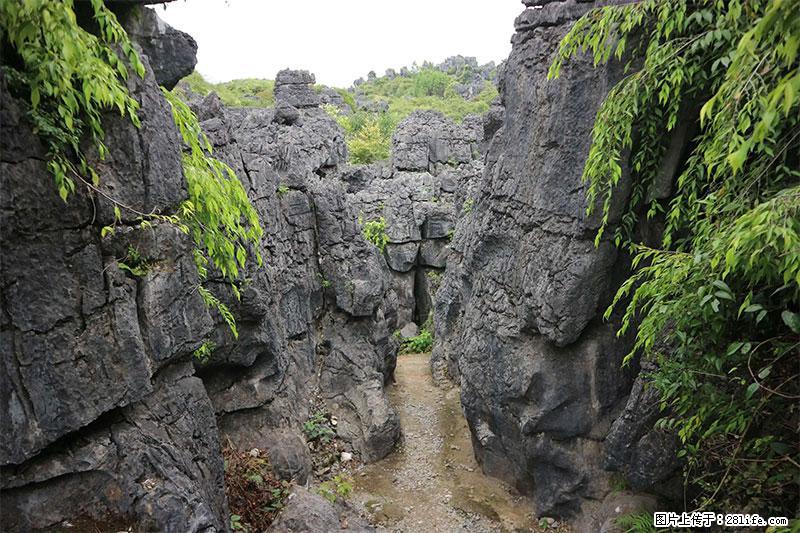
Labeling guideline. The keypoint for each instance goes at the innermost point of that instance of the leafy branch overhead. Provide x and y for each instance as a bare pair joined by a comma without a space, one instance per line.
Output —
716,303
70,77
218,213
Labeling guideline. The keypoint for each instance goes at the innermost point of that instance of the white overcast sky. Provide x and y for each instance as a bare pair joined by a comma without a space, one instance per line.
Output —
339,40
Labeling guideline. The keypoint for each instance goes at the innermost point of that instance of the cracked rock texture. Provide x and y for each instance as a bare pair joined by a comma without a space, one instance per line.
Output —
420,196
109,421
312,321
104,423
518,316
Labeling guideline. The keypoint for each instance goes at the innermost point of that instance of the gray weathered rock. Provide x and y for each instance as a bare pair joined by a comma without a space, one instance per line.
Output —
646,456
172,53
323,289
293,87
426,138
518,315
306,512
105,423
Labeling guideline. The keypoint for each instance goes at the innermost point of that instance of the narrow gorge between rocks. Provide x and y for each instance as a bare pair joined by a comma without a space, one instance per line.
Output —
432,482
279,306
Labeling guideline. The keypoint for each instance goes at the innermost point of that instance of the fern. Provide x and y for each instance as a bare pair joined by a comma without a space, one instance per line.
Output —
636,523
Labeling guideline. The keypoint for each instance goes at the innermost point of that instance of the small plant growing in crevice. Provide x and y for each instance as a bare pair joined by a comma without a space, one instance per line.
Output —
254,492
374,231
326,284
636,523
339,486
282,189
420,344
134,263
319,428
205,351
466,208
434,276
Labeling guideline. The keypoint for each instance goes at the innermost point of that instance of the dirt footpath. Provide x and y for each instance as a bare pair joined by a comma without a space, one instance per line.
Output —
432,482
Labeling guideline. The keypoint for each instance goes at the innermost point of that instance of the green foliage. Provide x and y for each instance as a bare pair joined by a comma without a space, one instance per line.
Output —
205,351
134,263
431,82
318,427
636,523
340,486
466,208
236,523
218,213
282,189
237,93
716,303
369,134
435,277
213,302
422,343
70,77
427,89
374,231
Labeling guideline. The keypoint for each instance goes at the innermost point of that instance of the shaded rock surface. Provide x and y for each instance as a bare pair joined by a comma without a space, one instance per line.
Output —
104,422
108,424
518,316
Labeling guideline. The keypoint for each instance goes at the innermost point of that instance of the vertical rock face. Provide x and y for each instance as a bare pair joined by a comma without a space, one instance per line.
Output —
518,315
109,420
419,197
103,422
313,321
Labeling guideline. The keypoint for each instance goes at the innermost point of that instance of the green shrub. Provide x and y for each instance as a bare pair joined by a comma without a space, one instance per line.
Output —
134,263
369,144
422,343
248,92
318,427
431,82
340,486
374,231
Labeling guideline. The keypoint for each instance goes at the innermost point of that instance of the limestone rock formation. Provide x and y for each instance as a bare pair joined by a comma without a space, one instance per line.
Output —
420,197
312,319
103,419
108,424
175,50
518,318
